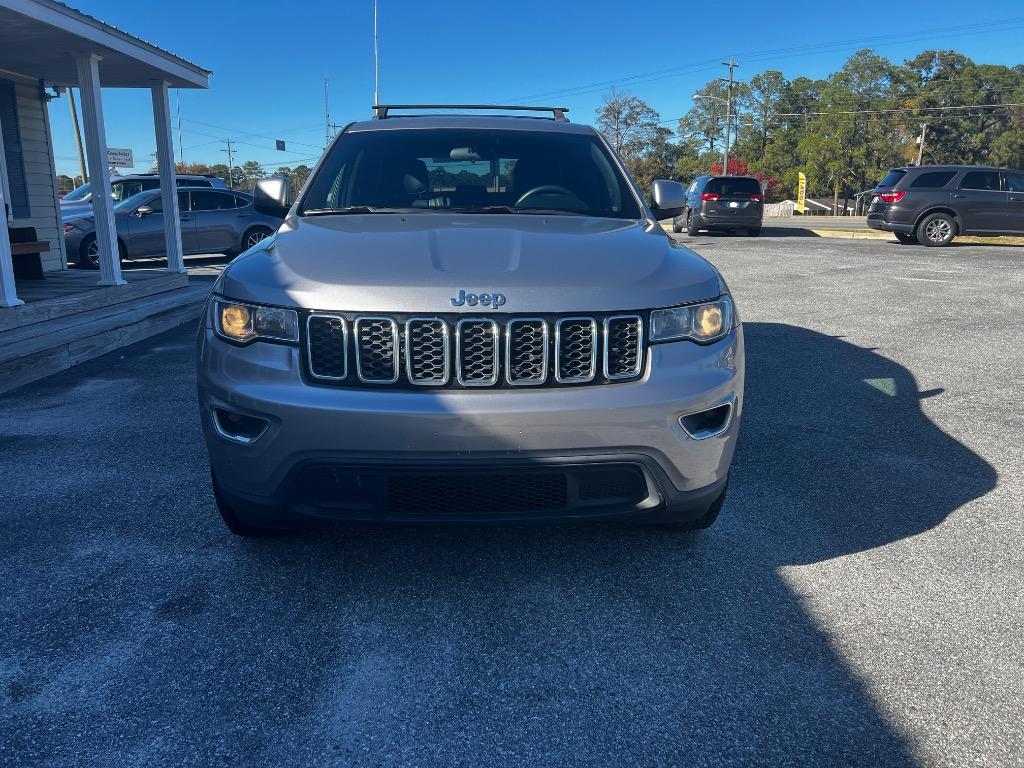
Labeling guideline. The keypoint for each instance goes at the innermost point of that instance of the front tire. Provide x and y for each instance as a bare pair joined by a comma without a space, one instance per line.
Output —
676,229
240,522
936,230
754,231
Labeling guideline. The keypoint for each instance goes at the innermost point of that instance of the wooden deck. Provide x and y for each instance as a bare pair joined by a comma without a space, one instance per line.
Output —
71,291
67,282
67,319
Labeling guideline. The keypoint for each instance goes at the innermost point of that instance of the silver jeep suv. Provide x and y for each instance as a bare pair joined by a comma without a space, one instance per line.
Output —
469,317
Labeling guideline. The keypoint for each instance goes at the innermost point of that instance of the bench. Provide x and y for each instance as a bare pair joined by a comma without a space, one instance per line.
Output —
27,253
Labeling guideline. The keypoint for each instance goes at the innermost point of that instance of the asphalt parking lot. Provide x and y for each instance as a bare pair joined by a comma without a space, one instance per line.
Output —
858,603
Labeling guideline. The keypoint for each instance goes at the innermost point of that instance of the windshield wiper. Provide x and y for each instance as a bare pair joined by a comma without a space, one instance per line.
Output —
549,212
477,209
507,209
348,209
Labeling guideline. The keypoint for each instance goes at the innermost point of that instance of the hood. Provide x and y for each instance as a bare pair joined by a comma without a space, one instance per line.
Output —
420,262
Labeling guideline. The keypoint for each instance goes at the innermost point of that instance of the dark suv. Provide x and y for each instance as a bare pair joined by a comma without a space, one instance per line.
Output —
722,202
932,204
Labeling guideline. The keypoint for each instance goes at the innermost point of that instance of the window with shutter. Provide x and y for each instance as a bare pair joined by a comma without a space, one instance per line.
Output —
14,165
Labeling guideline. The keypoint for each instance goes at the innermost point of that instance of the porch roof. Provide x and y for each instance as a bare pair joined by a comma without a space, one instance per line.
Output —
37,38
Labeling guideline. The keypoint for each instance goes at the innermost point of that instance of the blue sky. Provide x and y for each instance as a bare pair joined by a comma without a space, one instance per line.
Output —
460,51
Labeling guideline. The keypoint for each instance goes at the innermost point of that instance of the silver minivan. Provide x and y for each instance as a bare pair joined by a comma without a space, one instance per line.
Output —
469,317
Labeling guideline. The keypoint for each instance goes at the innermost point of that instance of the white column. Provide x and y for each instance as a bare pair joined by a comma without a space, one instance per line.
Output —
99,171
168,182
8,296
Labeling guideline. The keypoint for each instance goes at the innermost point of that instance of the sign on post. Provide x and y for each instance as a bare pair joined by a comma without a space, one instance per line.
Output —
801,194
120,158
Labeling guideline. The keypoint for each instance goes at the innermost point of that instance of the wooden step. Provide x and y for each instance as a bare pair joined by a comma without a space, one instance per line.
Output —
82,294
59,344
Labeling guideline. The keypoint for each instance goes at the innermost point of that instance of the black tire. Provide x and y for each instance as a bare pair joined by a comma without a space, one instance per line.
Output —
936,230
253,236
88,253
241,524
676,229
697,524
754,231
691,225
906,238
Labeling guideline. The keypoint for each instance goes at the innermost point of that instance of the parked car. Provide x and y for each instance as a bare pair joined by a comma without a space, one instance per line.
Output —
729,203
932,204
79,200
470,317
212,221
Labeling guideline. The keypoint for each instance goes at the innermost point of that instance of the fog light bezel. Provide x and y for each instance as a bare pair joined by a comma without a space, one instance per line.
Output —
707,434
239,438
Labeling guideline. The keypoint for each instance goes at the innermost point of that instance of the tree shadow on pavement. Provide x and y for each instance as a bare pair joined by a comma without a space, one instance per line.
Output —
543,645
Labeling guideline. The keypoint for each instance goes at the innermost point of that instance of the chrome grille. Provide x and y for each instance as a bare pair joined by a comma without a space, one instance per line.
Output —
623,346
526,352
477,353
327,344
426,351
377,350
575,349
343,349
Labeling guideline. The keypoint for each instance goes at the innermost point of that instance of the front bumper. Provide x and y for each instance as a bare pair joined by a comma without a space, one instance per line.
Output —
370,432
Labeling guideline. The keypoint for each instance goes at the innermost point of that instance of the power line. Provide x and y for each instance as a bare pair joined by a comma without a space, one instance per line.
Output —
790,52
250,133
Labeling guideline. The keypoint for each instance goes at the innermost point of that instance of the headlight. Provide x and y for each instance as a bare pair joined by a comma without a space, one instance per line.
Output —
247,322
703,323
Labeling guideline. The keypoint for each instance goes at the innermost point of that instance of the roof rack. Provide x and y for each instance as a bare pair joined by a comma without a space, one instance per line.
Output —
380,111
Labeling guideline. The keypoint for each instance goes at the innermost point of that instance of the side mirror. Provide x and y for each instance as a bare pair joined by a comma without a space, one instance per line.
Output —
272,196
668,198
143,211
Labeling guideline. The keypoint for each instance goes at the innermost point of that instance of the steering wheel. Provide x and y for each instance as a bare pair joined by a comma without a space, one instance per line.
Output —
543,189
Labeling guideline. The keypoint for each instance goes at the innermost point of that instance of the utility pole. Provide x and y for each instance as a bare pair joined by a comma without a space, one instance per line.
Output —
920,142
231,163
728,115
376,59
78,134
327,117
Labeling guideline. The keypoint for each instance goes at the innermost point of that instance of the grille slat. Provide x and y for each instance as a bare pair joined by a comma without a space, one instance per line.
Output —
623,346
427,351
575,350
520,352
376,350
327,345
477,352
526,352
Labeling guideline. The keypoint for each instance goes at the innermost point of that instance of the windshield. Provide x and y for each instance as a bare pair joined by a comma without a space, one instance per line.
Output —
79,193
471,170
133,202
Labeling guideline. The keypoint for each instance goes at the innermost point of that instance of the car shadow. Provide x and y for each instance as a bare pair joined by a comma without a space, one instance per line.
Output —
691,645
561,644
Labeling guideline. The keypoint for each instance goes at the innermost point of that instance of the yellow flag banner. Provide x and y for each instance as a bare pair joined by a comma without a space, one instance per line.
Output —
801,194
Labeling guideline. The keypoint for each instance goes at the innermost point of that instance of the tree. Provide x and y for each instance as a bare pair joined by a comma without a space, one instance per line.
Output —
629,123
634,130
